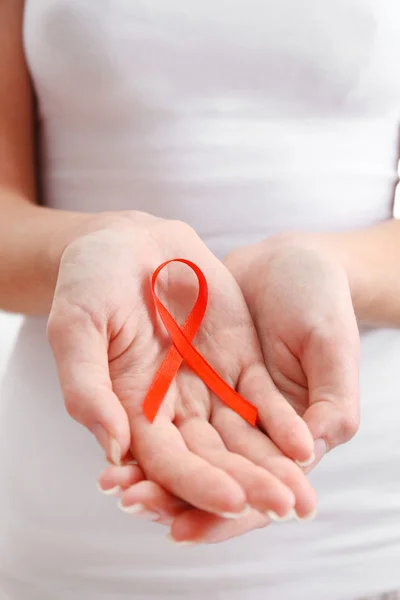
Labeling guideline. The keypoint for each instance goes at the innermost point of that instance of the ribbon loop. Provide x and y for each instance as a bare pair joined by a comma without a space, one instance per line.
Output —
183,349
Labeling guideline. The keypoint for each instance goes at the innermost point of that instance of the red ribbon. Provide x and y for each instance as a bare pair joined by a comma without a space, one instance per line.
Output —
182,349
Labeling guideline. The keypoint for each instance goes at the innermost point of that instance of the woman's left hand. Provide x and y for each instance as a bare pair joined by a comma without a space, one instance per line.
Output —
299,297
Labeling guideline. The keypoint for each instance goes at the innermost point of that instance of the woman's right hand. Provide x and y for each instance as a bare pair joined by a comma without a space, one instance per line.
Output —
145,499
108,347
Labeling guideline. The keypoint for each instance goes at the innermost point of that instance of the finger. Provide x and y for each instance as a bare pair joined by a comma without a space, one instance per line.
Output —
148,500
194,526
277,418
263,490
320,449
331,362
80,350
152,502
113,480
241,438
127,460
166,460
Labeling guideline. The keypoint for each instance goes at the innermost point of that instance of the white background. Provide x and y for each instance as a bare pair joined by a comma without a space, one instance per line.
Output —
9,325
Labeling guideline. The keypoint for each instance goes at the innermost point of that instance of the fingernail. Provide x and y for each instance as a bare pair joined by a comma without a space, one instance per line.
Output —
140,511
239,515
115,452
180,542
115,491
310,517
320,449
122,463
109,444
271,514
306,463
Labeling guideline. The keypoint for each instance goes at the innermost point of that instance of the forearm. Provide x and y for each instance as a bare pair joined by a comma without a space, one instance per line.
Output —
32,239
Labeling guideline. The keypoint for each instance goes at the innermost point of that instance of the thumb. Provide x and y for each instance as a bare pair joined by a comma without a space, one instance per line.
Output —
331,364
81,353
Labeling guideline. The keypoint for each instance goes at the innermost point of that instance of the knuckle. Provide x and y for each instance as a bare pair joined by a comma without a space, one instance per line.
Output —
77,404
72,405
348,425
333,333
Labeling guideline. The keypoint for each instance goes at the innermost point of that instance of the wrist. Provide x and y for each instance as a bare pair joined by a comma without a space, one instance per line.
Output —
336,247
41,236
33,244
68,227
370,260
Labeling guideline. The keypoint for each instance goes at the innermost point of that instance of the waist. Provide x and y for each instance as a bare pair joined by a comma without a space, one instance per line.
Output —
233,179
231,213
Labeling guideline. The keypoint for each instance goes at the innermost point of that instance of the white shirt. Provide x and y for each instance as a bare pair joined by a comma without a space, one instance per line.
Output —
243,118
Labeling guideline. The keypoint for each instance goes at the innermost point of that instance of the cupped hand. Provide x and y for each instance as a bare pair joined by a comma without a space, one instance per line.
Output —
298,294
108,346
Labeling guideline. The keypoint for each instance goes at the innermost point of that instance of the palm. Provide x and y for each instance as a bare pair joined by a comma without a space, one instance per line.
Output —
193,427
288,374
197,448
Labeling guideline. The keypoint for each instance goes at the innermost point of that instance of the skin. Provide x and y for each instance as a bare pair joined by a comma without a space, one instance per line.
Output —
300,301
300,336
108,345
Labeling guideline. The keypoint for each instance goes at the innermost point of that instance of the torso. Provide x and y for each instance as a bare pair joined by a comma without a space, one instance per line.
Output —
243,119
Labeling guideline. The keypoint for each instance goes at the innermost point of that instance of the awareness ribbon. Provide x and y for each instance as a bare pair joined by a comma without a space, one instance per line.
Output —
183,350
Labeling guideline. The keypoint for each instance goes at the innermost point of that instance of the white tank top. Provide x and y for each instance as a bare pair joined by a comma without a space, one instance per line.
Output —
243,118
